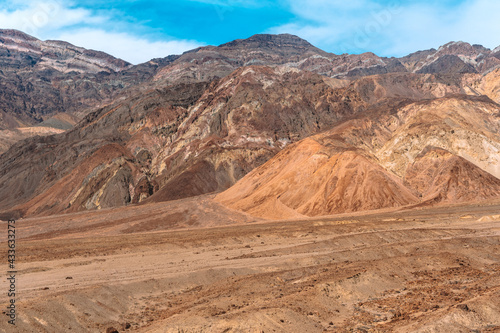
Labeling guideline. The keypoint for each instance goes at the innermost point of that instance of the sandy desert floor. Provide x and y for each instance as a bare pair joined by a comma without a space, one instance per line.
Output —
193,266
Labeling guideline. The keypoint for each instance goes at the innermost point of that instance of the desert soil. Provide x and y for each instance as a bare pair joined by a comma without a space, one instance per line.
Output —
194,266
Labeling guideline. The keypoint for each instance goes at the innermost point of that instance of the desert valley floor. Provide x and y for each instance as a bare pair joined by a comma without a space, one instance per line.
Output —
193,266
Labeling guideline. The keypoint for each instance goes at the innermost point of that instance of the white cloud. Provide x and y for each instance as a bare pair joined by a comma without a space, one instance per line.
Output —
41,17
132,49
51,19
475,21
396,29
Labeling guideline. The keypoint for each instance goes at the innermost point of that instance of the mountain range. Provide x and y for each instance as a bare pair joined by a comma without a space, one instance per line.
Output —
276,127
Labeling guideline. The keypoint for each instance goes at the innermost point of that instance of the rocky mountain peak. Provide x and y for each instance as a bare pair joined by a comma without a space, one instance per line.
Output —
453,57
209,62
455,44
481,48
462,49
286,43
258,39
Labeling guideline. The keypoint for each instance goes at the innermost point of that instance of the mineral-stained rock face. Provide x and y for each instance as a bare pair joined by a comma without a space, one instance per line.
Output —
489,85
102,180
207,63
198,123
41,164
465,126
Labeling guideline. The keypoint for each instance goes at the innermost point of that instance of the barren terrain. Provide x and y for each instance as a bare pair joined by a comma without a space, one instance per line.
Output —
199,190
194,266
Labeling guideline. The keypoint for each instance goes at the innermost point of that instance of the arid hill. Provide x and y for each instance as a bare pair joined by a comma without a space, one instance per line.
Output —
197,123
440,176
466,126
317,176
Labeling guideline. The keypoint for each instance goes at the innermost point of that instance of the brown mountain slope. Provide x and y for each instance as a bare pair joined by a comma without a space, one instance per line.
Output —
244,119
101,180
185,139
40,78
489,85
448,64
440,176
30,168
191,139
58,55
317,176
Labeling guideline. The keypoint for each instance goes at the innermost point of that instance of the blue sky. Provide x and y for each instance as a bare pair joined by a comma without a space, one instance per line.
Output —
139,30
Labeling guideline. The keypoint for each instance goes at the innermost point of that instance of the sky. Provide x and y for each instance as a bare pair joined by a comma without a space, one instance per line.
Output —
140,30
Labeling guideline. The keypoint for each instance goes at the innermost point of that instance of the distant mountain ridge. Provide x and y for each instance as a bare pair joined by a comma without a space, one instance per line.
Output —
44,78
40,79
217,116
58,55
